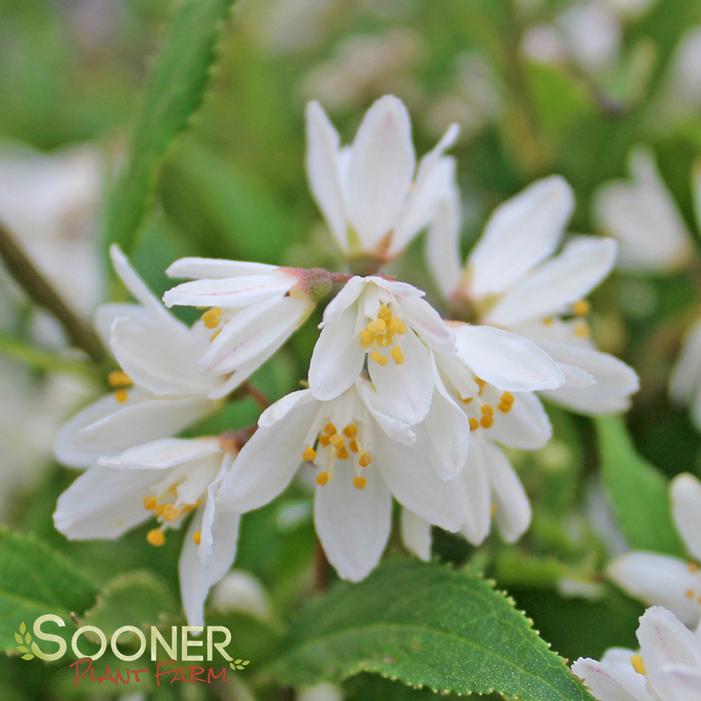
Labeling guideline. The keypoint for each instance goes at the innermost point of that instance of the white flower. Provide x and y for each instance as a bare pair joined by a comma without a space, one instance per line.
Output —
241,591
666,668
253,309
167,479
664,579
361,457
373,201
683,92
388,325
490,384
158,392
513,280
642,215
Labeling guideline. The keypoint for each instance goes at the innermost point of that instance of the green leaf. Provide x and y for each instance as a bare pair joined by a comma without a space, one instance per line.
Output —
137,598
174,92
638,492
34,579
427,626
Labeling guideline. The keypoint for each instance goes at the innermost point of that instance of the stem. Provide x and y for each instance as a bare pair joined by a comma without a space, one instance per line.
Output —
42,358
340,278
320,581
253,392
44,295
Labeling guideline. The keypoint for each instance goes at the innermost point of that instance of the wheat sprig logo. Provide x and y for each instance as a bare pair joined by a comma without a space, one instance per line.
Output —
239,664
24,642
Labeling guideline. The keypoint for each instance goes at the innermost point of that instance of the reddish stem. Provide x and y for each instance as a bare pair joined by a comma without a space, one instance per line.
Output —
256,394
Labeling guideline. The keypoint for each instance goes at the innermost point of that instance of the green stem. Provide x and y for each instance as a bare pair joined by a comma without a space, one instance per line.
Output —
43,294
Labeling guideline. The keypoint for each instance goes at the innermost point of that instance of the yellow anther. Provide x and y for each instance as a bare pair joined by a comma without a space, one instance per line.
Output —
170,512
351,431
397,355
505,408
364,459
693,567
197,537
117,378
474,424
581,329
487,421
366,338
309,454
121,395
383,340
359,482
481,384
378,358
581,308
508,398
487,410
377,326
150,503
492,509
466,400
156,537
213,337
324,440
397,326
353,445
548,321
690,593
637,663
342,453
385,313
330,429
212,318
322,478
337,440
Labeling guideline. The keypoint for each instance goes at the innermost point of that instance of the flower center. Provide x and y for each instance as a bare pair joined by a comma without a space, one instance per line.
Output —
577,315
166,510
332,445
693,594
378,337
119,381
636,662
480,409
212,319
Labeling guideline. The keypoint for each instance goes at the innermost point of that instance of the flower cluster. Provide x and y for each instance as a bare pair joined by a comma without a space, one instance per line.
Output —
401,402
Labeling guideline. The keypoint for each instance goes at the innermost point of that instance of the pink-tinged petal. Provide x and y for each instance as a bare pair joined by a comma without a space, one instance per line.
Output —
235,292
521,233
338,357
104,503
348,295
553,287
608,683
323,171
665,640
416,534
381,169
685,493
676,682
213,268
506,360
353,525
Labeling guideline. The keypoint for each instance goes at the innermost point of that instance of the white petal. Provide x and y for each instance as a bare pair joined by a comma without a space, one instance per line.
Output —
234,292
103,503
443,244
615,381
278,410
513,510
556,284
107,314
379,408
348,295
107,426
353,525
427,322
676,682
134,283
196,268
609,683
506,360
472,489
407,388
658,579
526,426
160,356
416,534
665,640
414,484
323,172
269,460
521,233
381,169
685,493
686,375
163,454
337,358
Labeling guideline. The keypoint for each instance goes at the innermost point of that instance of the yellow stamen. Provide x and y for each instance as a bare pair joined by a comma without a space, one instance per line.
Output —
487,410
365,459
342,453
170,512
121,395
693,567
397,355
330,429
487,421
309,454
156,537
324,440
353,446
637,663
359,482
492,509
481,384
581,308
690,593
351,431
197,537
548,321
212,318
322,478
581,329
377,326
378,358
366,338
150,503
474,424
213,337
385,313
337,440
117,378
